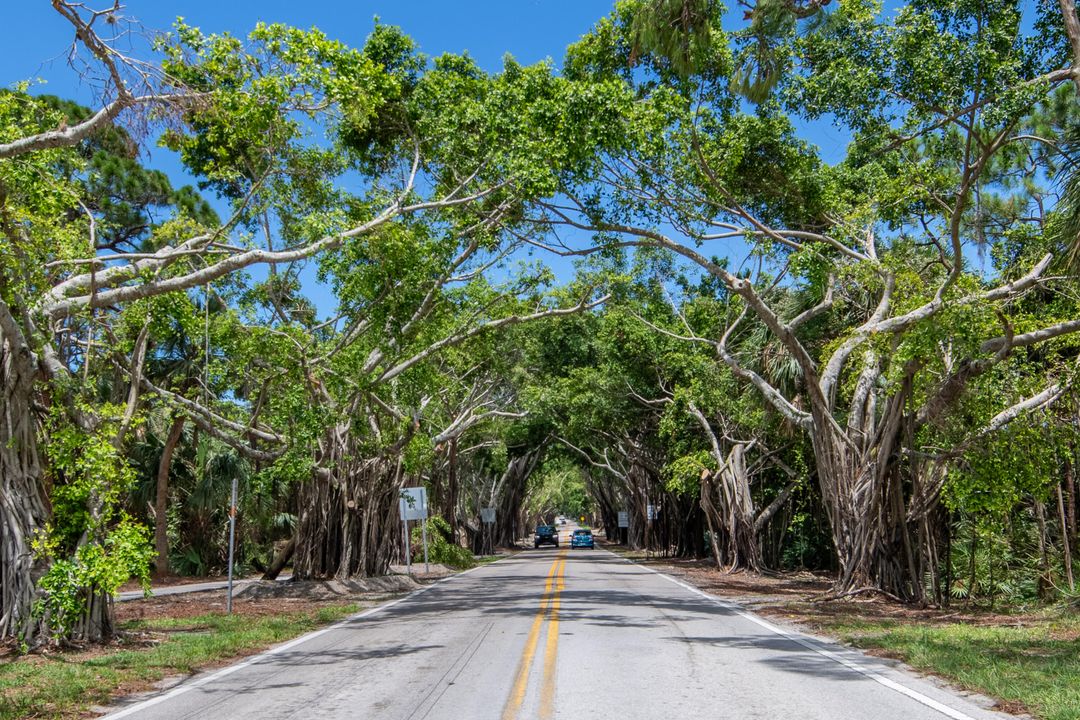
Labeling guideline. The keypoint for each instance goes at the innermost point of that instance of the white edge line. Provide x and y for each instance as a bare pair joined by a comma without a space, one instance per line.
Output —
807,643
185,686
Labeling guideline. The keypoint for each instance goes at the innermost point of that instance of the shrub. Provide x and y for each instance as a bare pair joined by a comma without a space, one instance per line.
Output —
441,546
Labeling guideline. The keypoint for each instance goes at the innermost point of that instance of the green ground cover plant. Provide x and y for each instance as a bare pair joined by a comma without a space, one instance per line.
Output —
1033,665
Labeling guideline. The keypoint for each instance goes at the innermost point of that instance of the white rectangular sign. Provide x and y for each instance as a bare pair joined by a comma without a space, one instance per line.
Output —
624,519
650,512
413,504
487,515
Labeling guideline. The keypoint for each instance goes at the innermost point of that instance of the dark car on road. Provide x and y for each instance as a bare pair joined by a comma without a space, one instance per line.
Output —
582,538
546,535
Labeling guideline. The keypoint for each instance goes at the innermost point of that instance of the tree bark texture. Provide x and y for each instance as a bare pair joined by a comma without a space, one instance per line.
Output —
281,559
507,496
348,524
874,508
733,512
601,490
24,509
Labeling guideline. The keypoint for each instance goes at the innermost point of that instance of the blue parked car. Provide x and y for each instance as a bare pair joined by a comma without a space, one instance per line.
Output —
582,538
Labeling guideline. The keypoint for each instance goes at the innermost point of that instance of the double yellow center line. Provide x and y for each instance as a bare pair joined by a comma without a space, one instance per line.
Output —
549,610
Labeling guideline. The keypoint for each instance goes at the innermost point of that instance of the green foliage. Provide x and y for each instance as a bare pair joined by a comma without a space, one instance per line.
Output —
645,126
442,547
1005,566
94,547
678,31
558,488
683,474
72,584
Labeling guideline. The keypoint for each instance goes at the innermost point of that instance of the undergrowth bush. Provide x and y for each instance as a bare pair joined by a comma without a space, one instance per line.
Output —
441,546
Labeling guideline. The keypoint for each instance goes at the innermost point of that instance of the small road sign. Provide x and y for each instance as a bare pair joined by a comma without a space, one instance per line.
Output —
624,519
651,512
487,515
413,505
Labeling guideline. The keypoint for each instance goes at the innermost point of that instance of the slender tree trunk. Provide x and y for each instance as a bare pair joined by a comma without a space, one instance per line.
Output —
1044,556
971,570
947,596
452,481
1070,502
161,500
1066,548
281,560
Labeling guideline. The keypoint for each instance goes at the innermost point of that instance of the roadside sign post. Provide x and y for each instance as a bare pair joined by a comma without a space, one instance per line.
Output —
650,515
232,545
408,545
413,506
487,518
624,525
423,534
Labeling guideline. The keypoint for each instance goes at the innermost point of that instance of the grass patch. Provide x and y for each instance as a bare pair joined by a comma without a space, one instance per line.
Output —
1036,664
64,685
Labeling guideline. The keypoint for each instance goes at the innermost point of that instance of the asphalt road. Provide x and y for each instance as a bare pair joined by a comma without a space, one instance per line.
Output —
558,634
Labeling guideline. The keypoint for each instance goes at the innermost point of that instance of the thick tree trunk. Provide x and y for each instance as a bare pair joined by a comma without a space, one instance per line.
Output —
507,496
864,499
710,512
738,507
727,503
691,528
95,625
161,500
24,508
606,500
348,526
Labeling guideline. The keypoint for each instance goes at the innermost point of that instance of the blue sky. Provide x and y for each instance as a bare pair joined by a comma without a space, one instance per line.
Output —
34,38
